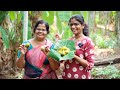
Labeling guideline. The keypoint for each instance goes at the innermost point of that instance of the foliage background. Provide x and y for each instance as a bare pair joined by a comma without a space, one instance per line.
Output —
103,27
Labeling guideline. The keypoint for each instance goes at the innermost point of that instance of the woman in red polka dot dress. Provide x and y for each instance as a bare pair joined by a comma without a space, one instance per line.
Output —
79,67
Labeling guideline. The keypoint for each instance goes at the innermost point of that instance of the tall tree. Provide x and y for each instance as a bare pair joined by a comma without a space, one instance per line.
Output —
25,26
117,27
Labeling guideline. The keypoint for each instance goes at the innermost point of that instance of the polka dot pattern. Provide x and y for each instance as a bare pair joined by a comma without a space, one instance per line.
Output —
74,69
69,75
86,54
76,76
81,56
83,76
67,66
63,73
81,68
84,41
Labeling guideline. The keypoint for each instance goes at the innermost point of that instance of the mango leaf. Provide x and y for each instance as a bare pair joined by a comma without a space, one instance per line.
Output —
69,44
4,37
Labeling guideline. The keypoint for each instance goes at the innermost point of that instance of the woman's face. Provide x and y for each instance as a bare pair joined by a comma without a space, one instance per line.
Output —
41,31
76,26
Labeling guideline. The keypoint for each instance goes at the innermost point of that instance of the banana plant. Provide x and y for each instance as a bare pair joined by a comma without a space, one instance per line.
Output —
4,37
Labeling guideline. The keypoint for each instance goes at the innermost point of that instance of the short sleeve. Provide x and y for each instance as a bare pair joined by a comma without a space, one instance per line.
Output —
52,46
89,54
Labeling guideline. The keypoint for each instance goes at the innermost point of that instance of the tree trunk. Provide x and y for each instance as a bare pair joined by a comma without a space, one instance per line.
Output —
25,26
108,61
117,27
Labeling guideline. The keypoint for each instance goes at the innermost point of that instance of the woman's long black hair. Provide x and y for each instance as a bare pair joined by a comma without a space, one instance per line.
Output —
80,19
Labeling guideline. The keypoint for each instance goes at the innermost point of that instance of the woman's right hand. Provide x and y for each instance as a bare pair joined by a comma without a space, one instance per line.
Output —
23,49
57,37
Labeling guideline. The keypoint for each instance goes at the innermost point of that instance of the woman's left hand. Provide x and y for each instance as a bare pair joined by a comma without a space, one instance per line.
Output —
45,49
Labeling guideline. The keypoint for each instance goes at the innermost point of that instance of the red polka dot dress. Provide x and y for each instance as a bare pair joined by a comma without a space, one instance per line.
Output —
73,69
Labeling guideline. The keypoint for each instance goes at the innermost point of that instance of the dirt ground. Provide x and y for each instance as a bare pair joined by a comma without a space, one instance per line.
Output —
101,54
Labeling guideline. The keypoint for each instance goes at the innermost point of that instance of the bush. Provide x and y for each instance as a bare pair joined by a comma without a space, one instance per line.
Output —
108,72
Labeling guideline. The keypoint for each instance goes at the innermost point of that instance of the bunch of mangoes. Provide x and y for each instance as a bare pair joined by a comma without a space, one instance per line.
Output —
63,50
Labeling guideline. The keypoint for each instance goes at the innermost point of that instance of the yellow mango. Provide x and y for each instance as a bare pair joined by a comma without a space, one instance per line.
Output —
27,45
63,50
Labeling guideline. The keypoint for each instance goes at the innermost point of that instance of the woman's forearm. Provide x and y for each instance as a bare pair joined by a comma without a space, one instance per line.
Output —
83,62
53,63
21,61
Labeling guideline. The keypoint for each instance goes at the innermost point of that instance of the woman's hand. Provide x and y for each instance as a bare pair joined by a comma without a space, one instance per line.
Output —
23,49
57,37
62,66
45,49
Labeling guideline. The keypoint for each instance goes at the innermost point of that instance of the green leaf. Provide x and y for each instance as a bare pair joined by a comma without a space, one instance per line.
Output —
12,15
76,12
3,14
48,16
54,54
64,15
59,25
70,55
69,44
19,16
4,37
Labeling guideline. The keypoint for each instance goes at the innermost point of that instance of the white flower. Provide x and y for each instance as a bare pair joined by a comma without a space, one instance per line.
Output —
69,75
67,66
76,76
81,67
74,69
83,77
